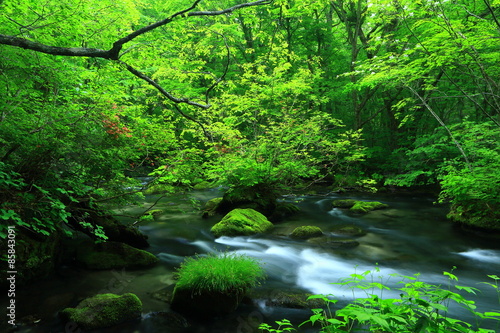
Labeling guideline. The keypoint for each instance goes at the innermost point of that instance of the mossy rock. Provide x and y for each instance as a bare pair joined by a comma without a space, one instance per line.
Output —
306,231
349,230
367,206
158,189
333,242
103,310
211,207
344,203
111,255
242,222
283,210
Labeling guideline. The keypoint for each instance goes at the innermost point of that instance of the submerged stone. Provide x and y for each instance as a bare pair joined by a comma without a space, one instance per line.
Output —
103,310
333,242
111,255
242,222
284,299
349,230
306,231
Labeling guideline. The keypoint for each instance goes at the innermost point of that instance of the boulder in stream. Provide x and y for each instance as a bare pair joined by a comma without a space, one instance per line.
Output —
349,230
103,310
242,222
306,231
366,206
211,207
333,242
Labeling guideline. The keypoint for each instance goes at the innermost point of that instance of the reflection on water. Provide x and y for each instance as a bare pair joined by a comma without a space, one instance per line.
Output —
412,236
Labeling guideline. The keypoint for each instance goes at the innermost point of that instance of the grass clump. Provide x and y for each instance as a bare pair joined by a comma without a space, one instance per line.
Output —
224,273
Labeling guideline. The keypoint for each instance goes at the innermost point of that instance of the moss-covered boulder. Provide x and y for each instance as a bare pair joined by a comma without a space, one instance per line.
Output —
103,310
358,206
306,231
242,222
211,207
349,230
367,206
283,210
111,255
344,203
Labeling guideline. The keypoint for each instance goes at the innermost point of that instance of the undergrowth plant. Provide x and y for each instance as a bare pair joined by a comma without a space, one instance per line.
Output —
421,308
223,272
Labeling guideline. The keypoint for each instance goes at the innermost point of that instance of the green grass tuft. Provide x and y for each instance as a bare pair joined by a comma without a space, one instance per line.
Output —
223,272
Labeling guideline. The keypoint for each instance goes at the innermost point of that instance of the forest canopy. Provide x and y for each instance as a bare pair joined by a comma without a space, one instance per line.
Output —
358,94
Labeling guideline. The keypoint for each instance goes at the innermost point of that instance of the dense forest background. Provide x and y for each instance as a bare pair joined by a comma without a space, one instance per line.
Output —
355,94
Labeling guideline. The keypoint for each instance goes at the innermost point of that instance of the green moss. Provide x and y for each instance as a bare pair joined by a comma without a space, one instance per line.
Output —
214,284
242,222
158,189
211,207
151,214
103,310
306,231
112,255
366,206
344,203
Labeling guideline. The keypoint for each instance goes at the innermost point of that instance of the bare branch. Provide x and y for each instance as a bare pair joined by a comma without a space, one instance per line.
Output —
54,50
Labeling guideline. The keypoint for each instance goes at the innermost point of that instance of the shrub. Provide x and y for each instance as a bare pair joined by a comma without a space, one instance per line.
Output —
224,273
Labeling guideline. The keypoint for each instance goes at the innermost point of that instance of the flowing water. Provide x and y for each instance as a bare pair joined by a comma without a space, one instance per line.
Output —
412,236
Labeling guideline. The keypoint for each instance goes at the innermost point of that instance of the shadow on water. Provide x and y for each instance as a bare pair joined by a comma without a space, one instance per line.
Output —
412,236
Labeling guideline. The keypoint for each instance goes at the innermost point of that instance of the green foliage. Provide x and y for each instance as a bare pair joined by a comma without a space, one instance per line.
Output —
422,307
223,272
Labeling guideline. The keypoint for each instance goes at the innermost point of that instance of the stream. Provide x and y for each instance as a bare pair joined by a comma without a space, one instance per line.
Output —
412,236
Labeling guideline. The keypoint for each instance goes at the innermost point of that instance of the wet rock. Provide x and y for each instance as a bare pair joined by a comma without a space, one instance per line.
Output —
103,310
306,231
284,299
111,255
242,222
349,230
283,210
211,207
333,242
164,295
